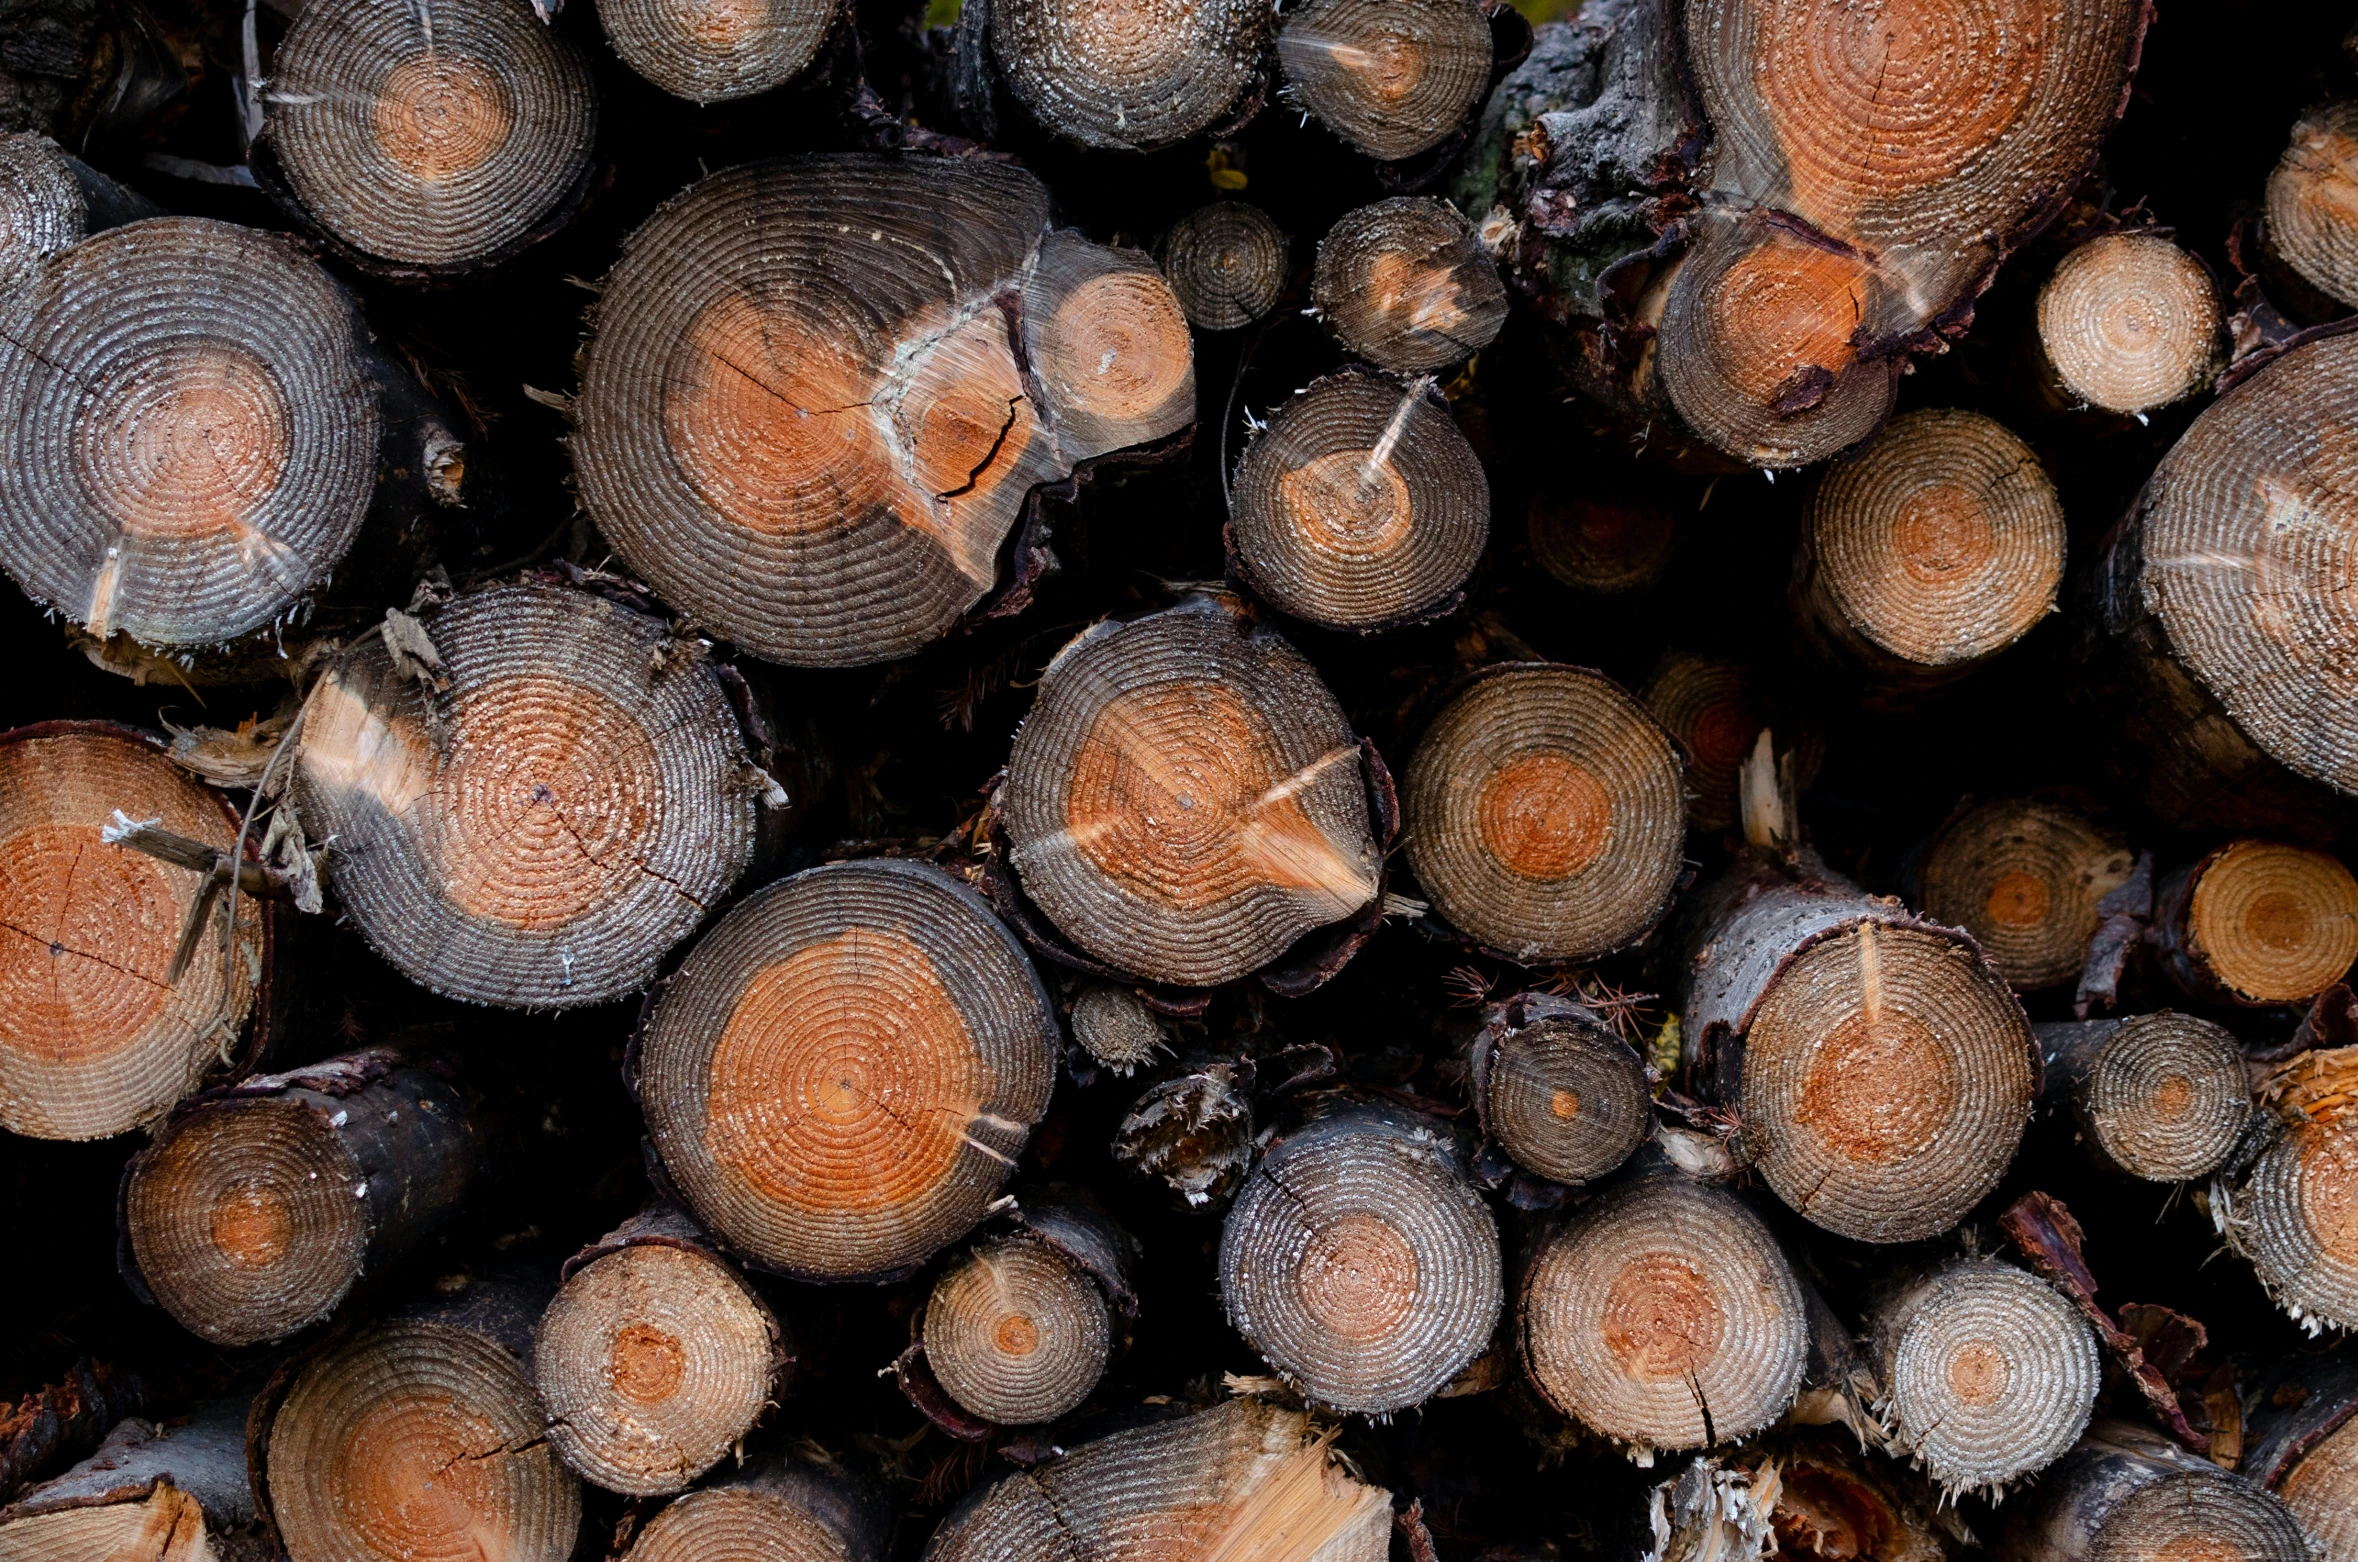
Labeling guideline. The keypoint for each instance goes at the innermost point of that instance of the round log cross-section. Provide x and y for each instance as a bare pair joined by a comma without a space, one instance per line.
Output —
2294,1214
776,1506
2130,322
1360,506
543,827
1405,284
1017,1332
2160,1096
191,431
1602,544
2125,1494
710,51
1361,1264
1391,77
842,1072
2311,228
2302,1444
1664,1315
430,139
1713,708
1564,1096
1988,1373
1121,76
1227,263
803,416
2024,877
2260,922
93,1039
1116,1028
1185,800
1545,815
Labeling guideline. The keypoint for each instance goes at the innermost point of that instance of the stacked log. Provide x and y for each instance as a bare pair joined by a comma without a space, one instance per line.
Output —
1558,1089
2160,1096
2129,323
177,1492
2124,1489
774,1504
2024,876
1227,264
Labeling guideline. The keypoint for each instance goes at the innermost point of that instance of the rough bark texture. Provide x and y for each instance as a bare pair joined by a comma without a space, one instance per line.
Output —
173,1492
2302,1444
61,1421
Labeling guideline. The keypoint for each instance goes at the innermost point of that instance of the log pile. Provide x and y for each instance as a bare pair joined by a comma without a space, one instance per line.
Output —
1359,781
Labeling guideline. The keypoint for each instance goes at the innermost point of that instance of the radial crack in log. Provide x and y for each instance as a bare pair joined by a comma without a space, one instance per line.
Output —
152,1492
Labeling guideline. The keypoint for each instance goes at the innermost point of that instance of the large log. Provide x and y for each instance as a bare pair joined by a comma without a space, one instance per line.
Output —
840,1075
2165,1096
170,1492
2024,876
828,493
1392,78
2302,1444
2257,923
2126,1492
777,1505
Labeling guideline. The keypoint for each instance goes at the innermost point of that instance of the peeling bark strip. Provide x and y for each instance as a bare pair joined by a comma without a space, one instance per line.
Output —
95,1038
1406,285
63,1420
260,1207
151,1493
2160,1096
821,390
1243,1482
717,53
655,1357
775,1505
419,1436
2289,1207
1557,1089
51,201
1185,801
843,1071
537,821
2125,1492
2024,876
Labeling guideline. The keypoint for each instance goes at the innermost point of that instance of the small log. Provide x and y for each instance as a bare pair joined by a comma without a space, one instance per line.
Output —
1609,543
427,152
2127,1492
170,1492
50,201
1716,710
1185,800
1406,285
2160,1096
1664,1315
840,1075
2289,1207
260,1207
2129,323
129,364
1391,78
655,1357
1935,547
1883,1070
828,494
2303,1446
776,1505
2310,231
96,1036
1227,262
2258,923
2024,876
1360,1263
1194,1131
419,1435
1360,506
1116,1029
1545,815
717,53
1557,1089
1988,1375
1243,1479
60,1422
1103,75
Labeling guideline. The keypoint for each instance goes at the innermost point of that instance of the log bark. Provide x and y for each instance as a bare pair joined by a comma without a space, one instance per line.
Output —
715,54
418,1435
97,1036
2025,877
842,1071
1193,1131
2286,1204
50,201
2126,1492
64,1420
1987,1374
1227,262
172,1492
1390,80
1932,549
828,496
2129,323
2310,235
1243,1479
1554,1087
1116,1029
1545,815
655,1357
1359,1261
428,150
127,362
1663,1315
2303,1445
2165,1096
1802,1496
2256,923
1883,1070
1185,800
778,1505
1406,284
1102,75
260,1207
1360,506
534,793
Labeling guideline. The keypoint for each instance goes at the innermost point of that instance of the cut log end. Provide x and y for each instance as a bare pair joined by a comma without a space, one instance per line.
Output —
2273,923
1018,1333
430,148
2201,1514
1603,545
1360,506
742,1522
94,1037
2311,226
1116,1028
1391,77
1715,712
2296,1217
715,52
1227,263
1566,1097
1406,285
2167,1097
1665,1315
2024,878
1361,1265
2322,1491
844,1069
1125,76
1545,814
1938,545
2130,322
